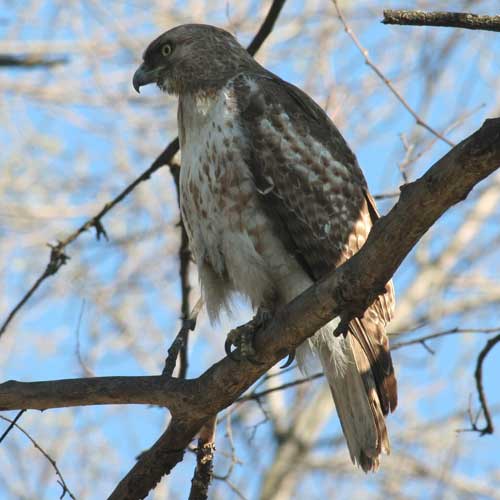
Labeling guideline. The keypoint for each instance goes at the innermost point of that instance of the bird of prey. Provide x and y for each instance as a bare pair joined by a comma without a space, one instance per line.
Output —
273,199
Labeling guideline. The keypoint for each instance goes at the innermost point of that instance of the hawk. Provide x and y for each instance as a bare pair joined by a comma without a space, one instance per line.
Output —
273,199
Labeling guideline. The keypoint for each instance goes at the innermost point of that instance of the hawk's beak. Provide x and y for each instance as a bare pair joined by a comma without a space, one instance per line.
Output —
144,76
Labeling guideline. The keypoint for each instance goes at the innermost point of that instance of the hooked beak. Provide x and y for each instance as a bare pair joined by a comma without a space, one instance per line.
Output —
144,76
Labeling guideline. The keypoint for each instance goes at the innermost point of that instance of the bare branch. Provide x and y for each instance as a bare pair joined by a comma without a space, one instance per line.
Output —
165,158
446,19
11,426
478,374
266,27
188,321
258,395
451,331
351,287
387,82
52,462
188,324
57,254
30,61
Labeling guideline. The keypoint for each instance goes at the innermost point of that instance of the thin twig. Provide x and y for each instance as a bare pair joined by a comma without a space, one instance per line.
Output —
188,324
385,196
87,372
52,462
478,375
257,395
387,82
266,27
12,424
451,331
445,19
57,256
30,61
184,261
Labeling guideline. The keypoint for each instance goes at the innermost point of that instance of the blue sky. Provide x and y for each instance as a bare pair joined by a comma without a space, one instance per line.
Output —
376,141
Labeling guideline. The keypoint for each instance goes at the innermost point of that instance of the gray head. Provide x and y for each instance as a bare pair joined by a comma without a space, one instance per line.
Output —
192,58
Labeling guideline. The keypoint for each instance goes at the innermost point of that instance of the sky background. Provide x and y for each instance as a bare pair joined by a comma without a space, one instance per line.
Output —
74,135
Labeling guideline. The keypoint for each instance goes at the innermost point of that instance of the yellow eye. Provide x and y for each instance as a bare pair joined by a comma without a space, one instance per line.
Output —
166,50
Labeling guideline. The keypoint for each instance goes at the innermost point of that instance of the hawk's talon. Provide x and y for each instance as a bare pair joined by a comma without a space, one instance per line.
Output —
289,360
242,338
231,354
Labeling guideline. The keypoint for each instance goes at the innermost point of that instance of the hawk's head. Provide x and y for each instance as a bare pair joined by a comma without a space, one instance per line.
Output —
192,58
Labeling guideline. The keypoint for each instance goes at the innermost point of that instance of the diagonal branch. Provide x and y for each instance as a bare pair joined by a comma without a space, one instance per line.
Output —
159,460
58,257
52,462
387,82
57,253
445,19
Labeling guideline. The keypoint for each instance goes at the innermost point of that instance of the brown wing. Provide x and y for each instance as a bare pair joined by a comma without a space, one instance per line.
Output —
316,195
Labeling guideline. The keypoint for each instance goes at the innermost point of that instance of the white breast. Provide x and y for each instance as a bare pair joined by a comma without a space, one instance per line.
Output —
231,238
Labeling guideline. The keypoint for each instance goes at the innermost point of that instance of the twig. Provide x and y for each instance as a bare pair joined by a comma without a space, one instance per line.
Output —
451,331
446,19
30,61
385,196
12,424
266,27
387,82
57,256
52,462
478,375
234,459
257,395
204,462
184,260
188,325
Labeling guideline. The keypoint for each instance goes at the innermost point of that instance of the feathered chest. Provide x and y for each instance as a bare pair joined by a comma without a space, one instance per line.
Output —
217,189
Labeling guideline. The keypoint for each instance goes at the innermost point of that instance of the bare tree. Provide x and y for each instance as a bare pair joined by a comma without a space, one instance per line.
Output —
75,138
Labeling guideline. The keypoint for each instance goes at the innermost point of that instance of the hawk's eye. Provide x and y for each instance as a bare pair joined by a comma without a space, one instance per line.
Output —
166,50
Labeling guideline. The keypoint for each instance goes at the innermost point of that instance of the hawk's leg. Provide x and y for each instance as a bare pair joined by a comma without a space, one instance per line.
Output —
242,336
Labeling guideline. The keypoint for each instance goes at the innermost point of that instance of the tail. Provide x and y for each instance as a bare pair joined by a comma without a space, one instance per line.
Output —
360,398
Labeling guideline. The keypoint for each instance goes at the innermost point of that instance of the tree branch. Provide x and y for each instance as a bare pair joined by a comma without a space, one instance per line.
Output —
159,460
30,61
478,375
353,286
57,253
388,83
58,257
445,19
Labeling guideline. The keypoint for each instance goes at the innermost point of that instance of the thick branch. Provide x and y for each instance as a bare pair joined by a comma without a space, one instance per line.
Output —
446,19
352,286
